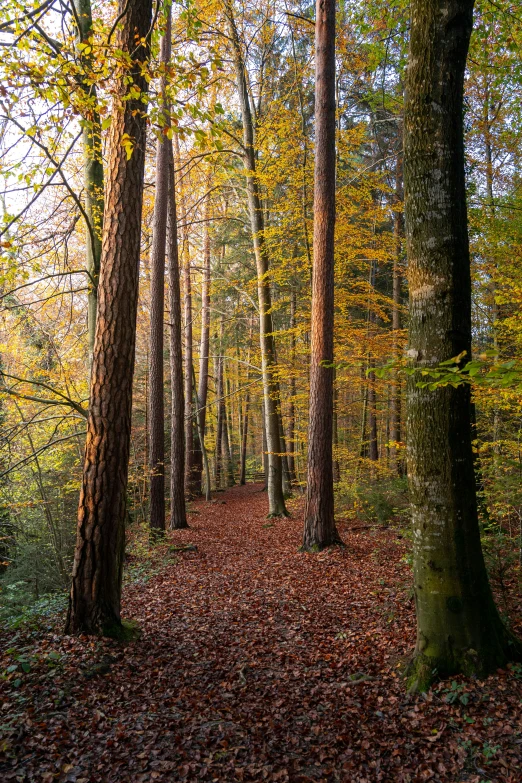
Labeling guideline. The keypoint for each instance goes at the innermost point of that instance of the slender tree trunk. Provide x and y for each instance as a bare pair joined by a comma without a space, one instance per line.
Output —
94,605
178,513
157,306
373,450
336,465
244,440
395,393
458,626
93,169
227,443
269,365
218,465
205,339
319,528
291,407
265,447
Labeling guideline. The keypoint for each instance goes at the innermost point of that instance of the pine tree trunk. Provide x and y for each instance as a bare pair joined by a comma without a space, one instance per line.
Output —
94,605
276,500
178,513
157,307
320,530
458,627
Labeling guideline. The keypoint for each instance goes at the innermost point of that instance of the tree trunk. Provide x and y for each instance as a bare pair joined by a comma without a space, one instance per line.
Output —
395,393
276,500
92,168
319,528
373,450
244,440
227,441
157,307
458,626
205,342
94,605
291,408
178,513
218,465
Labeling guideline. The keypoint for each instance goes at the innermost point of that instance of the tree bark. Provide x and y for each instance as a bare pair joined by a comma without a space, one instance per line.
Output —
276,499
94,605
178,513
157,306
92,169
291,407
458,626
204,343
395,392
319,528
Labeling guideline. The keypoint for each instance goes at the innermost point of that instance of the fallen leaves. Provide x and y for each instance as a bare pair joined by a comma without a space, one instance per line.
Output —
256,663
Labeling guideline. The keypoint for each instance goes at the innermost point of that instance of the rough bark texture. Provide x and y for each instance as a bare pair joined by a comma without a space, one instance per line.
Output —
458,627
276,500
319,528
94,605
178,514
93,170
157,310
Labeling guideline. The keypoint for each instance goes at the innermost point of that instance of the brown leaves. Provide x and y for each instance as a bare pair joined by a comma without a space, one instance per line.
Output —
256,663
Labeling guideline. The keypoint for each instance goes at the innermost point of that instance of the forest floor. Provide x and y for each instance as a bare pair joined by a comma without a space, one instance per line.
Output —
256,663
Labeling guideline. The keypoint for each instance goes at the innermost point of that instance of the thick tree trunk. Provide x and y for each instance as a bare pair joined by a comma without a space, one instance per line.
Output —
276,500
93,170
94,605
458,627
178,513
319,528
157,308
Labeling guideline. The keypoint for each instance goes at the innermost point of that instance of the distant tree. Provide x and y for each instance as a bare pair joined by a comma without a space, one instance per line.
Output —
157,300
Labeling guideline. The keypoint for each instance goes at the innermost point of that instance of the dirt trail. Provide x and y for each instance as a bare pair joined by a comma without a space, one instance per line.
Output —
257,662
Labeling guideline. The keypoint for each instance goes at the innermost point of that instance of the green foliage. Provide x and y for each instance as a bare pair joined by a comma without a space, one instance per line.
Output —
378,501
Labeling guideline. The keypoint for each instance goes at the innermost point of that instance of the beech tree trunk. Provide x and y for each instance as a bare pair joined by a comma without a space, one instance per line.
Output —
291,407
204,344
395,393
157,307
93,170
458,626
94,604
244,440
276,501
178,513
319,528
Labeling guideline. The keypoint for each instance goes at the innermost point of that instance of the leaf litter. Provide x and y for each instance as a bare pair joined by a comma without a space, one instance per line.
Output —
256,662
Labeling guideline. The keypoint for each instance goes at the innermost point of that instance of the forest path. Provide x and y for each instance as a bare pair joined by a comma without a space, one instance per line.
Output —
257,662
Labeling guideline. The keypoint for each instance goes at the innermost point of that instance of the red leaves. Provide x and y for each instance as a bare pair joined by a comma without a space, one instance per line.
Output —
257,663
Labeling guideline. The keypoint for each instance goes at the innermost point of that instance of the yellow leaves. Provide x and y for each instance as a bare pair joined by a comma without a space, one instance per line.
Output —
127,142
